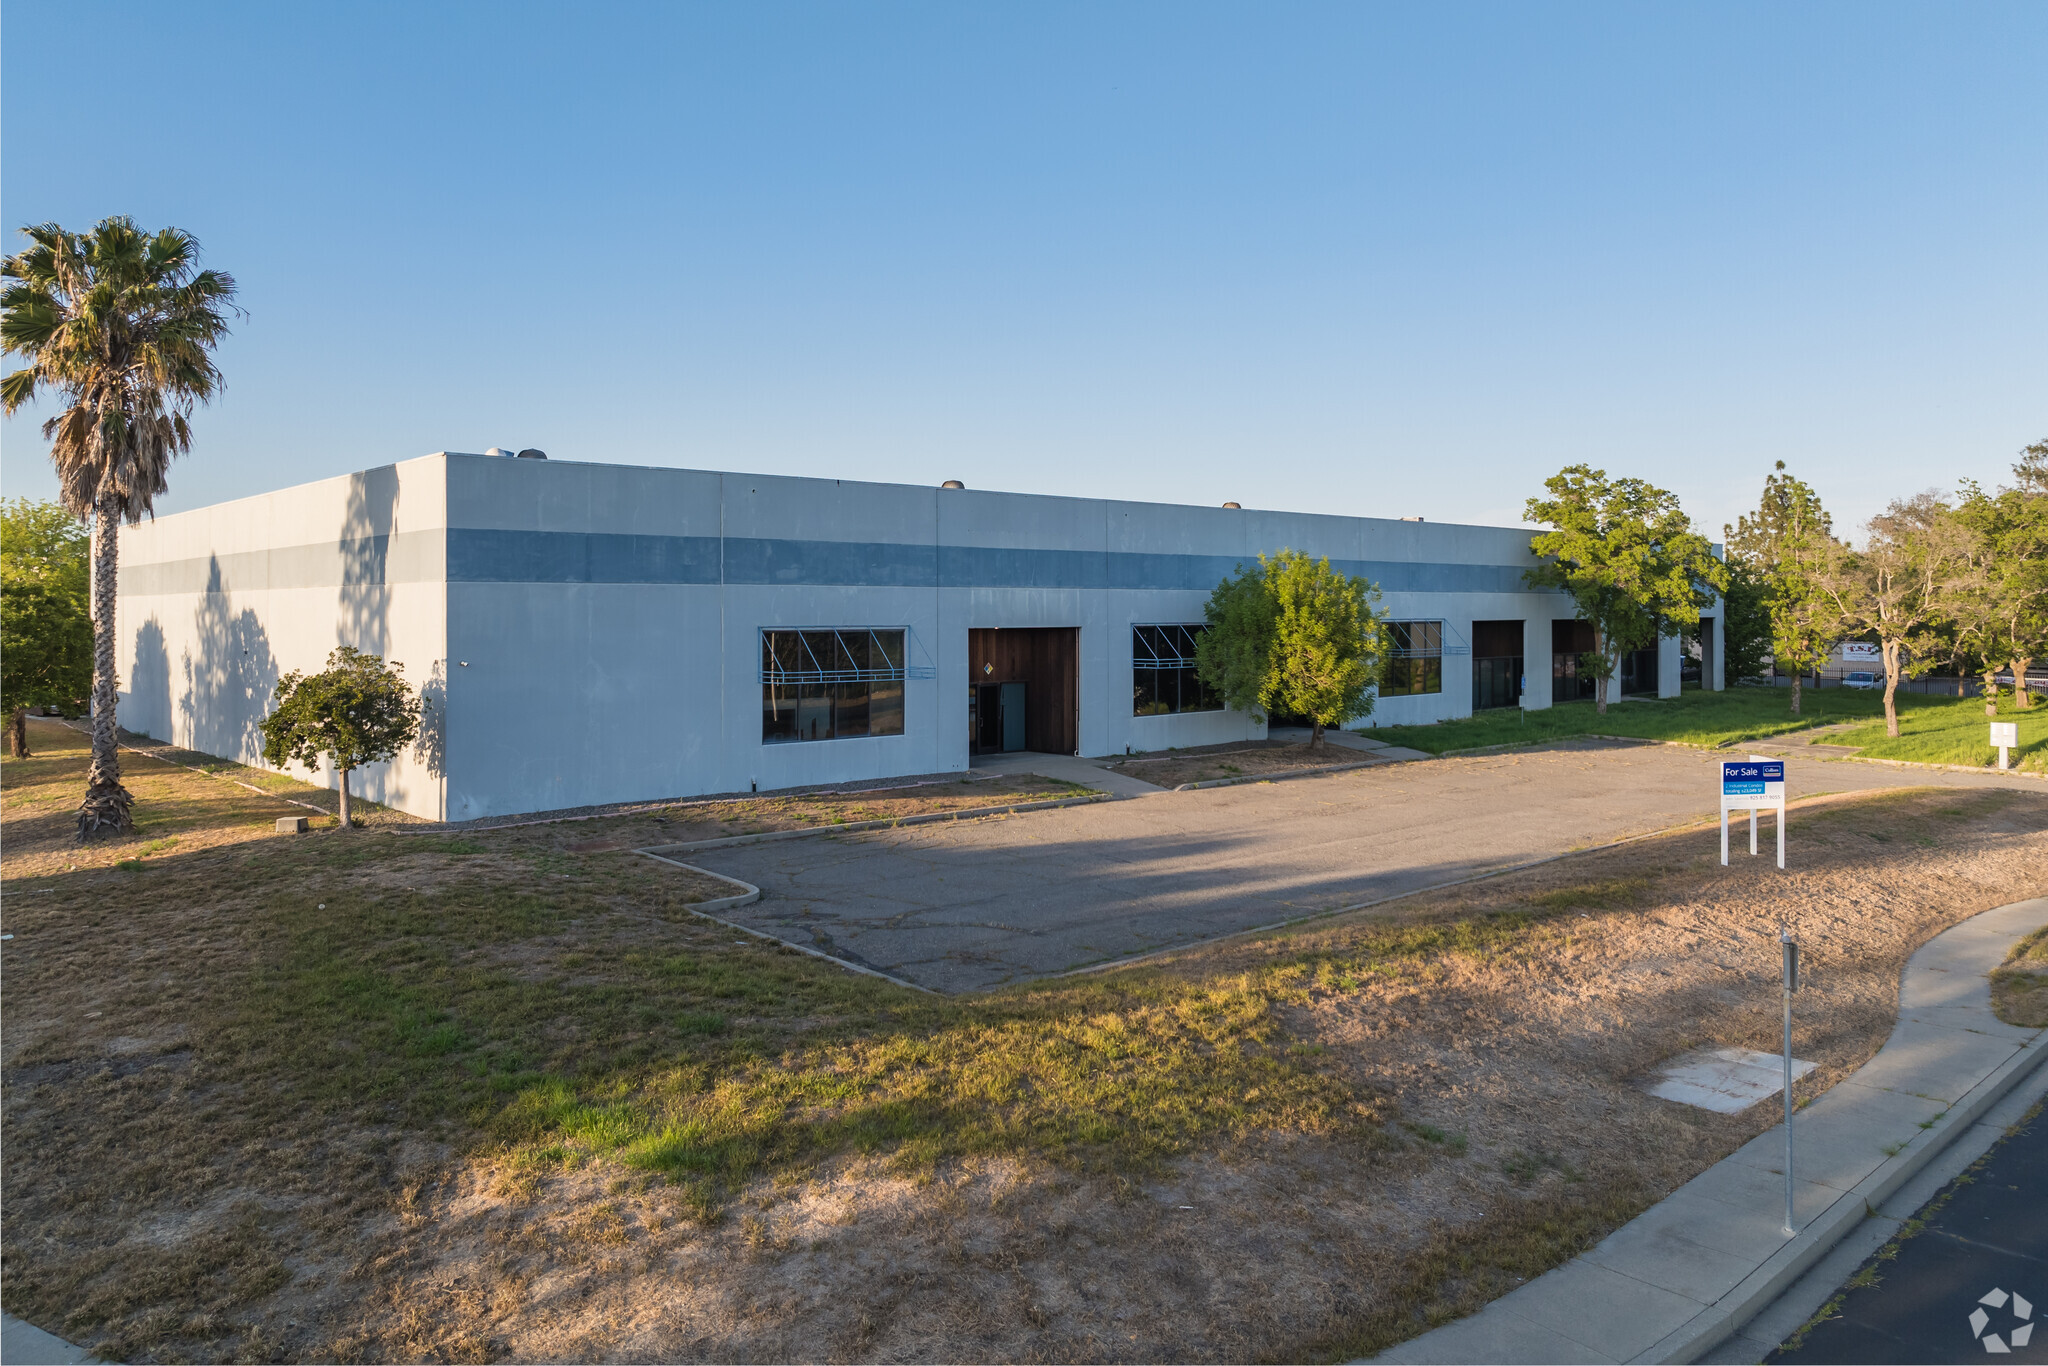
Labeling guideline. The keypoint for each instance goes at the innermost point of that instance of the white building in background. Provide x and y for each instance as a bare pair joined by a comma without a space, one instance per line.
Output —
592,633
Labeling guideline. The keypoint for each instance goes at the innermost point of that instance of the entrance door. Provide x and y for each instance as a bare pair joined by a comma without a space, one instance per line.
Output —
1042,664
1496,664
1014,714
985,721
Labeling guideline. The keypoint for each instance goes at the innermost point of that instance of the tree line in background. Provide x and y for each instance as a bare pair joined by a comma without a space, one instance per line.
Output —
1961,582
122,324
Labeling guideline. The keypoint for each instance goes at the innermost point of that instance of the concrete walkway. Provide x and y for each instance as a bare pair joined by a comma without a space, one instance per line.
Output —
1067,768
24,1344
1689,1273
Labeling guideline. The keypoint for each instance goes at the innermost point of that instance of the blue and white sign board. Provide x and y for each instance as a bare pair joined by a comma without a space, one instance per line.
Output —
1753,784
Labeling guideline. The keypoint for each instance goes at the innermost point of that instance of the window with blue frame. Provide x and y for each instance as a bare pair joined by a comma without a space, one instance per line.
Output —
1415,658
1163,675
835,683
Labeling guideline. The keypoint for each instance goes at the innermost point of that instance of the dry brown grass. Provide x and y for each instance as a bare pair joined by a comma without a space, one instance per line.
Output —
290,1098
681,822
1210,762
2019,987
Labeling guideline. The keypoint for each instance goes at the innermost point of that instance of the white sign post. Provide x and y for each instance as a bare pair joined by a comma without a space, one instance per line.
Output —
1749,785
1790,948
2005,737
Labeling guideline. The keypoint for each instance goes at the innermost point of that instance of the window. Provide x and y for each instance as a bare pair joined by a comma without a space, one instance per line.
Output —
1415,658
831,684
1163,677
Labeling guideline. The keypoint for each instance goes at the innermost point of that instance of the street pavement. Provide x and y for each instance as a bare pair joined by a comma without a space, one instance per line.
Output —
970,905
1971,1286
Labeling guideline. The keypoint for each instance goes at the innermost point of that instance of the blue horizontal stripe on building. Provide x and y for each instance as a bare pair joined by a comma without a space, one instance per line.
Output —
491,556
477,556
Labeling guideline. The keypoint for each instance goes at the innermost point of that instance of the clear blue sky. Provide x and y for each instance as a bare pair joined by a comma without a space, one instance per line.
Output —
1351,258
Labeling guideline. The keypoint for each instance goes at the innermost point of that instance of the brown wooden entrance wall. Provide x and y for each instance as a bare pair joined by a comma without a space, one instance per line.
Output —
1047,660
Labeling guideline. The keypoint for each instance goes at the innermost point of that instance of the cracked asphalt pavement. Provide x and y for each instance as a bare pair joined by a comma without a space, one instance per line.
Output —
972,905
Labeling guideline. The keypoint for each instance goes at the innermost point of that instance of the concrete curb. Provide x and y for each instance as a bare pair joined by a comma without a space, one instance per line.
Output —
856,827
1945,768
747,896
1726,1317
1283,774
1698,1266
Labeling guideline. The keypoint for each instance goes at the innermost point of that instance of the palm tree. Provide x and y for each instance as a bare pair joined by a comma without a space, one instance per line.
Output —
122,324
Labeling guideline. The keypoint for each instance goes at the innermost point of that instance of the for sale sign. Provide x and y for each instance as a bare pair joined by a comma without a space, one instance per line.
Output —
1757,782
1753,784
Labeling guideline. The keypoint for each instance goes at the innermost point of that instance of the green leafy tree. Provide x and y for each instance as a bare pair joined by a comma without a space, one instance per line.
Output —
357,711
1745,623
45,625
1295,636
1235,655
1785,546
2001,610
1902,587
1627,556
121,324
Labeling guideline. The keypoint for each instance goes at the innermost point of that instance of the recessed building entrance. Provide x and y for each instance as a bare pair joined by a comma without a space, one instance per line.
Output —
1496,664
1024,690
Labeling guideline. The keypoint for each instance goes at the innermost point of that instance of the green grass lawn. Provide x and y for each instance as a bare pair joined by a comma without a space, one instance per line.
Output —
1954,731
1694,718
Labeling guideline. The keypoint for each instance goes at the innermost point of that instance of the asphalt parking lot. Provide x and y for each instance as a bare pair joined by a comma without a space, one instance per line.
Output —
972,905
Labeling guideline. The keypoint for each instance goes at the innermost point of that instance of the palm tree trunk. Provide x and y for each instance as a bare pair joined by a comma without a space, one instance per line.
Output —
105,810
1990,689
2021,698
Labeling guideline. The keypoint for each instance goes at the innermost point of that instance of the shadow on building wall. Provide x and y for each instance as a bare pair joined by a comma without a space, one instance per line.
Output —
147,708
365,540
229,675
431,749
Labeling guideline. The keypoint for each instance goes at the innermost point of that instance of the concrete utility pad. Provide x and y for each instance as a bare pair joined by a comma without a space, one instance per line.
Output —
1727,1080
969,905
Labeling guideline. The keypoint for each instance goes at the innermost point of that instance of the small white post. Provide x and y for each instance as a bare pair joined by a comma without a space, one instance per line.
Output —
1781,837
2005,736
1724,837
1752,832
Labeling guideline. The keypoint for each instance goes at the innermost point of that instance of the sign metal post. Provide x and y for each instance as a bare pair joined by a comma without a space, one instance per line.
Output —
1748,785
1790,948
2005,737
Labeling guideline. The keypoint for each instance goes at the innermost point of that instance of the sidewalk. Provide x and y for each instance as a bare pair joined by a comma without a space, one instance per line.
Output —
1066,767
24,1344
1691,1271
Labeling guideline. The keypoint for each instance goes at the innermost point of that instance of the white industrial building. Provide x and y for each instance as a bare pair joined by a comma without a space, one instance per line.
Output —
592,633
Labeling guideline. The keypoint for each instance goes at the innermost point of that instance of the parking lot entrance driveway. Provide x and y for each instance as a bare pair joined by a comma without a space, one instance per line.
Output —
971,905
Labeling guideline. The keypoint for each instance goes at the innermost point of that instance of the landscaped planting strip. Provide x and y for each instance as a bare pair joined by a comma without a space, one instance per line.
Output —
1288,773
204,773
889,823
586,813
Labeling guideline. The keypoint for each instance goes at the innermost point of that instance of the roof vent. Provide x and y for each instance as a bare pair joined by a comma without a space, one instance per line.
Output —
952,484
1234,505
531,454
1411,519
497,450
